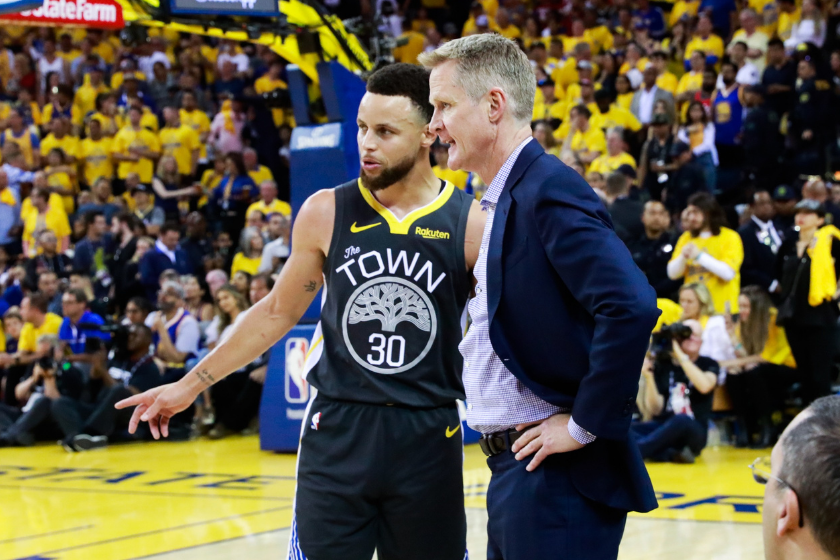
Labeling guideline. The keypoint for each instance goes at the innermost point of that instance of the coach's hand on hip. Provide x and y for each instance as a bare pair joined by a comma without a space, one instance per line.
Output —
545,438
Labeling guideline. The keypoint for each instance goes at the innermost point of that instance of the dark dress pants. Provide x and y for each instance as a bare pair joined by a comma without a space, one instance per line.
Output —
813,349
541,515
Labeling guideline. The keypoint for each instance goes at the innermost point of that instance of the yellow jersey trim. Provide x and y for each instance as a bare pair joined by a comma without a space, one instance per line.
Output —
402,227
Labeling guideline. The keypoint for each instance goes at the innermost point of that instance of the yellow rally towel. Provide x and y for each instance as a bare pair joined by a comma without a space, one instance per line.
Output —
227,111
823,279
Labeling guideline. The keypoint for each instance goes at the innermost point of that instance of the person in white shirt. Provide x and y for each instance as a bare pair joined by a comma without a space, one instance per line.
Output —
810,28
154,53
748,74
276,251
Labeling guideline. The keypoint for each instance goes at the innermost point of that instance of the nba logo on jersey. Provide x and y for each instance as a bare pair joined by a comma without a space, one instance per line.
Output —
316,420
297,389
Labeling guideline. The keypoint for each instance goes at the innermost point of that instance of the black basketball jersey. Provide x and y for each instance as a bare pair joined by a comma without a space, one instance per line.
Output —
394,294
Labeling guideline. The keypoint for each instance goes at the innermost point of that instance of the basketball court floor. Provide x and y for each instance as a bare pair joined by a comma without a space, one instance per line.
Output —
226,499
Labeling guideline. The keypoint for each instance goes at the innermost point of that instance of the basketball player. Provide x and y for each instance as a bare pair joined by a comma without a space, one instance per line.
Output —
380,460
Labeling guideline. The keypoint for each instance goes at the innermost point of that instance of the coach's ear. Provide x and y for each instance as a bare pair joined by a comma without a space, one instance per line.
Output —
497,104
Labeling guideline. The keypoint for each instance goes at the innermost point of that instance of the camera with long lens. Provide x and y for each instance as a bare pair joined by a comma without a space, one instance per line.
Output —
48,363
661,342
119,338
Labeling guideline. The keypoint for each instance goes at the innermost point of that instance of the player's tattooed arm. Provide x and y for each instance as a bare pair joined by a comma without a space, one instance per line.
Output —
205,377
311,286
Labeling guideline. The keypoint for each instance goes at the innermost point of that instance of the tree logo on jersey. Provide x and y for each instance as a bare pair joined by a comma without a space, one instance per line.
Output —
389,325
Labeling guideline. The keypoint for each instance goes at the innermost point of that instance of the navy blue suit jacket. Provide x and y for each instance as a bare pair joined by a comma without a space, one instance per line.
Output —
154,263
571,315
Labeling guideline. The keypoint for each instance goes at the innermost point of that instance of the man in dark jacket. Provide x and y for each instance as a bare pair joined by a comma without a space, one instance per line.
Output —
626,213
761,241
165,255
761,139
686,180
653,249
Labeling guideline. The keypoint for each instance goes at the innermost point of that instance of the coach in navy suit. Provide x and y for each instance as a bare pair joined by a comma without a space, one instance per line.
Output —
560,322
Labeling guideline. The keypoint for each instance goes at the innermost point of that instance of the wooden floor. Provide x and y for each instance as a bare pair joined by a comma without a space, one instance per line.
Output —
226,499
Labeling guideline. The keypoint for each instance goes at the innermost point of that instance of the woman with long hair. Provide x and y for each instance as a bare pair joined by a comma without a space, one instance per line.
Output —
195,298
167,186
699,133
236,398
759,377
624,92
233,195
807,266
250,256
811,27
61,177
696,302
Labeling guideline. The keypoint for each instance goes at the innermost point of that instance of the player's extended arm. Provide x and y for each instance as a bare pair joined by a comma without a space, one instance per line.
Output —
261,327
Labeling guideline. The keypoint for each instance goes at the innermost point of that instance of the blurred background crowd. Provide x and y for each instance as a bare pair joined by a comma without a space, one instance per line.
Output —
144,189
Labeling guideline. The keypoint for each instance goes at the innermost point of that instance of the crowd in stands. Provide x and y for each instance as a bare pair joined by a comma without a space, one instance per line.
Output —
140,216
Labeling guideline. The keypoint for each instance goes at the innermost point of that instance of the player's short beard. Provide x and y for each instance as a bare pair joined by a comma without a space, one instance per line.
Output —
389,175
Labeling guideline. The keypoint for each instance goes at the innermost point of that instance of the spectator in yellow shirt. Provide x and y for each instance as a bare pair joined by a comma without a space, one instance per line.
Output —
471,26
269,203
705,41
46,217
258,173
683,7
691,82
708,253
664,79
249,258
37,322
136,149
610,115
181,142
457,177
414,43
616,155
85,98
755,39
61,178
198,120
95,155
28,142
61,138
583,139
789,14
504,27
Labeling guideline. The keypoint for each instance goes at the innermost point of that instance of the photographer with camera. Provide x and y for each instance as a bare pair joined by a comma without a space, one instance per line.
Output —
37,321
678,386
47,380
132,370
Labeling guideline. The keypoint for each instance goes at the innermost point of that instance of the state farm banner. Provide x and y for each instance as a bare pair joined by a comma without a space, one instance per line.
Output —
103,14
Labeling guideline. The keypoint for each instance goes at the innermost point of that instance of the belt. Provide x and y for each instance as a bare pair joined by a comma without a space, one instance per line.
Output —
499,442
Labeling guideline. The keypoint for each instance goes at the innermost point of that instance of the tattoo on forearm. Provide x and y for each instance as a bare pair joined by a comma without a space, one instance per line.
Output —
311,286
205,377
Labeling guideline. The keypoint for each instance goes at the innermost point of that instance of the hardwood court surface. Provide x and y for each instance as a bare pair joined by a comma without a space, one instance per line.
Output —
226,499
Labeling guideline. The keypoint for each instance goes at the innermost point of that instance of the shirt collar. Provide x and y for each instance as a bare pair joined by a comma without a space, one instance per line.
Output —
165,250
762,225
497,185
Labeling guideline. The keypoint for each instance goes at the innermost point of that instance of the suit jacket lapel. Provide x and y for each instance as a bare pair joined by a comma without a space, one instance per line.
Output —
494,251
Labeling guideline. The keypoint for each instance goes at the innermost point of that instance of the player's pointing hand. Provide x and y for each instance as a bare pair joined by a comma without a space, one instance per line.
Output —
157,406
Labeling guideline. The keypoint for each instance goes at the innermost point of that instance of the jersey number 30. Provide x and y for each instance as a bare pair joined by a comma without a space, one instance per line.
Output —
391,349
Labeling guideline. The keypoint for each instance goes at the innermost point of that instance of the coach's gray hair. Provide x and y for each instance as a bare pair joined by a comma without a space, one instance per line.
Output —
488,60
